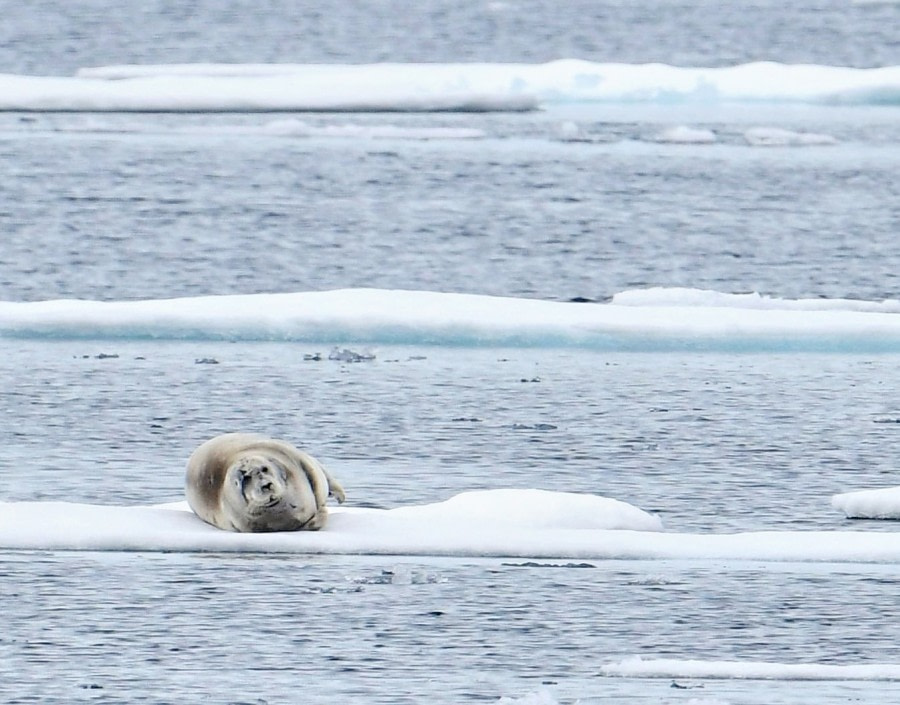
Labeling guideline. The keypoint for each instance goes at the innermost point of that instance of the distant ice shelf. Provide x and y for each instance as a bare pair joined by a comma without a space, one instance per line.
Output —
421,87
650,320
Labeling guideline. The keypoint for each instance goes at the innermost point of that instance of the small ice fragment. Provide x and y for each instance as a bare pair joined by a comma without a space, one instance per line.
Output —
346,355
779,137
682,134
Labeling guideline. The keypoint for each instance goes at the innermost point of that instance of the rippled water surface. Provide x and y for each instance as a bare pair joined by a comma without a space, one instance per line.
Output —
178,206
52,37
213,628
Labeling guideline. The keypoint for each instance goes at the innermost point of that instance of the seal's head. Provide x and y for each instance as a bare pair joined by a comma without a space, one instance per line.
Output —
261,494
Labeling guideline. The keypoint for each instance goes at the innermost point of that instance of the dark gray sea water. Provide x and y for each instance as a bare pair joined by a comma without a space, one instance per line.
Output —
49,37
111,628
573,201
124,207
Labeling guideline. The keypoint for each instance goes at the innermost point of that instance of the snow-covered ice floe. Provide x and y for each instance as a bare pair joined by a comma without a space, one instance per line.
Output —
869,504
645,320
237,88
504,523
436,87
638,667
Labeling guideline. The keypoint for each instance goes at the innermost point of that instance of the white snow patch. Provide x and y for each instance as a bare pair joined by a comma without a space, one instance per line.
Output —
535,509
566,79
490,523
262,88
652,319
506,522
869,504
705,298
435,87
682,134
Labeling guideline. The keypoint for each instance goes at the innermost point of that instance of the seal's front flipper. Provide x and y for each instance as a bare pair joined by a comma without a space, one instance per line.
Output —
317,522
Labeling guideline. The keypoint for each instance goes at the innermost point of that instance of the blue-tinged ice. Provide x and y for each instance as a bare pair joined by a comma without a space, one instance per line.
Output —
440,87
649,320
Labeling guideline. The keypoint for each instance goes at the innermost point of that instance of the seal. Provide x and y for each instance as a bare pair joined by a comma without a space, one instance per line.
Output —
248,482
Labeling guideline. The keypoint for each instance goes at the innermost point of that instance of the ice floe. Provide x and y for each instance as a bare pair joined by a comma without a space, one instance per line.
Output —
500,523
869,504
503,522
682,134
643,320
439,87
779,137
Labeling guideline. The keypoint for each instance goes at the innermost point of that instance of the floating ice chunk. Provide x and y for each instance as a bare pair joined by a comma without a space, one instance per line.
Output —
439,87
778,137
504,522
683,134
291,127
508,523
643,320
869,504
570,131
261,88
346,355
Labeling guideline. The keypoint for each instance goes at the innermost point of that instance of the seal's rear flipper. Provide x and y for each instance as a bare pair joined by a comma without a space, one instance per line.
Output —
335,490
